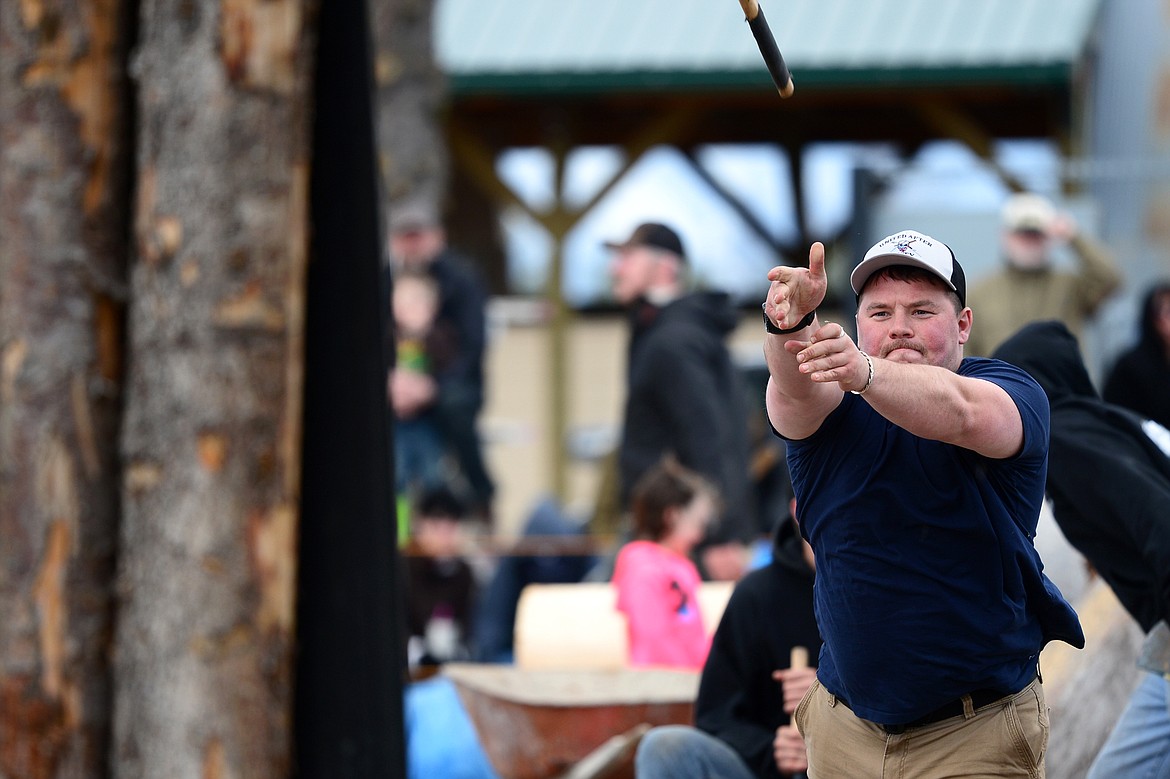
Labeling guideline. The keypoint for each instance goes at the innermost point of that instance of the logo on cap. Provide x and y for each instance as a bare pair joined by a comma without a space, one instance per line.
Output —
916,249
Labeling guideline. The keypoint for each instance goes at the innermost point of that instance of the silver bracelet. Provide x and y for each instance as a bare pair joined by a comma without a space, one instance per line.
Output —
869,380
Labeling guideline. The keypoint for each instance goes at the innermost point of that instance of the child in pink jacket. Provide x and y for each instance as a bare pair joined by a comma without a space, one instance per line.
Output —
656,581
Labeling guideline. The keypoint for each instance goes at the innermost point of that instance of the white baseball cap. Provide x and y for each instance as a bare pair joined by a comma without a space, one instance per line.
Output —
916,250
1028,212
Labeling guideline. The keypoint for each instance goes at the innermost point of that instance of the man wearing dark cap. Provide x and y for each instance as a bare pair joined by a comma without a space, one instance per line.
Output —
684,397
920,476
419,243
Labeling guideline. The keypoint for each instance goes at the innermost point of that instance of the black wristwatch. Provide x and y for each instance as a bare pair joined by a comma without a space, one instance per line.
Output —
770,326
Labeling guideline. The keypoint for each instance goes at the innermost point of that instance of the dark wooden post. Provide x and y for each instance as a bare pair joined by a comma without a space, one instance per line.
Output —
349,720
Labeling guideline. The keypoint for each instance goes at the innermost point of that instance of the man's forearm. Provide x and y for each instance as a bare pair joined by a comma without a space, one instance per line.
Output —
796,405
783,366
937,404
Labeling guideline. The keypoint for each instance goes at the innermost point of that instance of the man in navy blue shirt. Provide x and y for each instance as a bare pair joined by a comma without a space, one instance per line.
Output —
920,475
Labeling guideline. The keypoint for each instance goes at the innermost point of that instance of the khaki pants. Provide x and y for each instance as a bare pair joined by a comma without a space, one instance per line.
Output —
1007,738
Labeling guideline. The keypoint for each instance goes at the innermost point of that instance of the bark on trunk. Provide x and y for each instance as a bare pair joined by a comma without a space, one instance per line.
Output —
212,429
62,228
412,147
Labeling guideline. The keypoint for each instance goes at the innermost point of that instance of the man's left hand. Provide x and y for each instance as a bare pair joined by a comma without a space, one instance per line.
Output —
788,750
830,355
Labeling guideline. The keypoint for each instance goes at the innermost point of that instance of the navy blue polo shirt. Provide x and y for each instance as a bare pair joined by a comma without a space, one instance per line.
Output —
928,583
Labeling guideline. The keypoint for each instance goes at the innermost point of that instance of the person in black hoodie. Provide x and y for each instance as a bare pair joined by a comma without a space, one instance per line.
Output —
684,394
1109,482
742,713
1140,379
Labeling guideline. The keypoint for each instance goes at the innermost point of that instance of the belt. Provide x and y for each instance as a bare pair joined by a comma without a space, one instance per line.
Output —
979,699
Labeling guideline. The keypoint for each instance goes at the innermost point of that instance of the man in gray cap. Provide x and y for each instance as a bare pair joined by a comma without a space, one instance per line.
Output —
920,477
418,242
684,394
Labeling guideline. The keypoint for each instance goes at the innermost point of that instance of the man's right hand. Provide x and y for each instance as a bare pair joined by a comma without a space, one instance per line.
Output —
795,683
796,291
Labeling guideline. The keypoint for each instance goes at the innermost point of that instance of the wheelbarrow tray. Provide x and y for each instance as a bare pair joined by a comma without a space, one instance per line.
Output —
538,723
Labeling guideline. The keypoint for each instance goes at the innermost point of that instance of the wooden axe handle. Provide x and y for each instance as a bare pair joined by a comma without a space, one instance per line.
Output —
751,8
798,658
773,59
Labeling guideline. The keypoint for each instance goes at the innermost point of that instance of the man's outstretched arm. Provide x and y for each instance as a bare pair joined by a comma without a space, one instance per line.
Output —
796,406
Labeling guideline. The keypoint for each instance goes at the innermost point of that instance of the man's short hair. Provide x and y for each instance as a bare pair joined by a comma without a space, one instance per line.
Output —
912,273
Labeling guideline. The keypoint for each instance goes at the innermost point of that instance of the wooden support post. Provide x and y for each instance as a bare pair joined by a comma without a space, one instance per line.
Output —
952,123
349,675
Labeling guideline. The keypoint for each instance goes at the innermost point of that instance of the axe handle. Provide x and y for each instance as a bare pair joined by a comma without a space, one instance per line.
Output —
773,59
798,657
751,8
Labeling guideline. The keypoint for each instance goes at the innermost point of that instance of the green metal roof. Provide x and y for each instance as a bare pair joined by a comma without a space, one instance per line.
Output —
536,46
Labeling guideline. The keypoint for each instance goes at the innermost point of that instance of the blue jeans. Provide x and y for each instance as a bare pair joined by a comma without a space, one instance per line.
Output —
418,455
1139,746
681,752
441,742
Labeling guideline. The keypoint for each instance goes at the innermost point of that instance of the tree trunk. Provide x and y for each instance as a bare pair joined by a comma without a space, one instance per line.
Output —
211,440
413,154
411,144
62,227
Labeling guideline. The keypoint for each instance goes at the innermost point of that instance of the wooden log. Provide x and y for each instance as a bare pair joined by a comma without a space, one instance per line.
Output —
211,438
578,626
1087,689
63,211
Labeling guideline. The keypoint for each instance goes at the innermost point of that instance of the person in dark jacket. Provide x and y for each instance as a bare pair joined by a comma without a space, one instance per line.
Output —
456,392
1140,379
438,583
684,393
742,714
1109,481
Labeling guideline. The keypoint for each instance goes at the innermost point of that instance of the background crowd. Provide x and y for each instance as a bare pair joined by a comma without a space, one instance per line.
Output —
698,504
